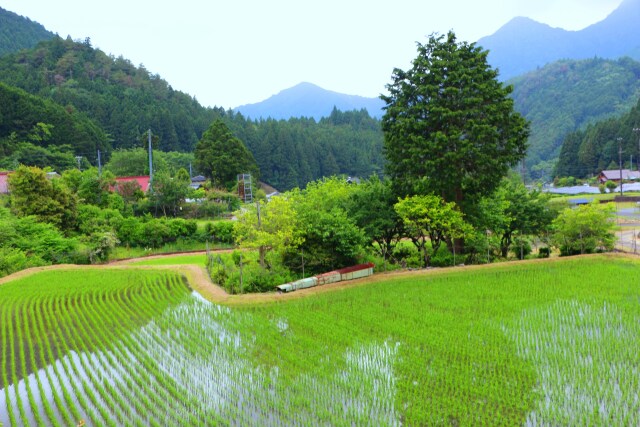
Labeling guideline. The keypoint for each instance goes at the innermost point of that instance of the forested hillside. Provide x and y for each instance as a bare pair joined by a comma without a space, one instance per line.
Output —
567,95
124,99
294,152
39,132
587,152
523,44
18,32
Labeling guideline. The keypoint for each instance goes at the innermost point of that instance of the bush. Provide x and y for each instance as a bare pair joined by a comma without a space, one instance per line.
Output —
544,252
444,258
407,255
220,231
12,260
521,248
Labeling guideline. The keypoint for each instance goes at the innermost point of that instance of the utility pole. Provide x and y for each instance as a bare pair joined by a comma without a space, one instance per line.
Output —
99,166
524,182
150,164
79,159
620,161
637,130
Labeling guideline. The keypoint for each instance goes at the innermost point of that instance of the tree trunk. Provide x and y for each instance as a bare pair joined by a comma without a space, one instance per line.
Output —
458,243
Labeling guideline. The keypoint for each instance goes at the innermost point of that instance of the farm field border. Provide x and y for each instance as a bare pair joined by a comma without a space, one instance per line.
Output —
199,280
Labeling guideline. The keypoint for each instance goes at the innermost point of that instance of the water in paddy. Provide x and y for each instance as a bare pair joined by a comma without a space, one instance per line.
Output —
201,352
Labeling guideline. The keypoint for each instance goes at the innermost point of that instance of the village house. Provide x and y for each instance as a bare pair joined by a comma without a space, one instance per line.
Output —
614,175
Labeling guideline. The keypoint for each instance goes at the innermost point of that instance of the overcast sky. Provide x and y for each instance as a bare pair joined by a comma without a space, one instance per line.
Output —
243,51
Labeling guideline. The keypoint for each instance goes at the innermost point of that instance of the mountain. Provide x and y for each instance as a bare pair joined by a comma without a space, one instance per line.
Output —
523,44
309,100
566,96
81,100
39,132
587,152
123,99
18,32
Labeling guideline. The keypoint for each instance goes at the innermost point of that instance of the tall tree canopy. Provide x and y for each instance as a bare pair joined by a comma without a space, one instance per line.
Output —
449,126
220,156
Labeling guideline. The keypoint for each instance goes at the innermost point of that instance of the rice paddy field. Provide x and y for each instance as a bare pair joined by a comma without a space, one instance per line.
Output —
539,343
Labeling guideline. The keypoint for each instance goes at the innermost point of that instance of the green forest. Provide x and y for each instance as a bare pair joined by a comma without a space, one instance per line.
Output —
568,95
18,32
89,101
586,152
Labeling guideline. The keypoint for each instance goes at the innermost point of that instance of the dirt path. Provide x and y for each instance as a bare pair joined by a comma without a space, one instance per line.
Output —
199,278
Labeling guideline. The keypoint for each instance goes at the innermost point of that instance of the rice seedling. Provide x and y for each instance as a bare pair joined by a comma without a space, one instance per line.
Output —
527,344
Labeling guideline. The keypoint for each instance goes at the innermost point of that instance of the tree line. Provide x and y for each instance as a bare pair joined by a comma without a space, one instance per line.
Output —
91,101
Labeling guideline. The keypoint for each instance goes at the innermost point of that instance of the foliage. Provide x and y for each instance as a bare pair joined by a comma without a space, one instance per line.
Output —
371,207
12,260
101,245
566,96
450,128
18,32
38,132
429,218
268,227
25,242
585,229
297,151
221,156
135,162
151,232
220,231
596,147
123,99
331,238
49,200
526,212
169,192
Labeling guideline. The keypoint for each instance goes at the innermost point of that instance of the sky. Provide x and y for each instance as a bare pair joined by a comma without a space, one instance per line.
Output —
236,52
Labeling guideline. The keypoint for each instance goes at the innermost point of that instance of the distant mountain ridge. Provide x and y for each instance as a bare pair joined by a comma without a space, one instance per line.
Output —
523,44
18,32
309,100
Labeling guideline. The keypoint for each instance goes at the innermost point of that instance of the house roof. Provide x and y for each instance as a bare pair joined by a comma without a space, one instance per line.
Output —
4,182
614,174
582,201
143,181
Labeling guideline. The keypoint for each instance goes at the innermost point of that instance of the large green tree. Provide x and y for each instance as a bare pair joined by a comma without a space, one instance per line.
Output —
585,229
220,156
371,207
449,125
430,219
48,200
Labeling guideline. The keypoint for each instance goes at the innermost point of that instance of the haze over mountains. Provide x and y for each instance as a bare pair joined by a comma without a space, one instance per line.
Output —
555,87
309,100
523,44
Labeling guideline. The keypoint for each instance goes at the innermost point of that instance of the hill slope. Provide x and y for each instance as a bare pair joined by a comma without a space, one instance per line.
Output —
125,100
523,44
309,100
18,32
38,132
566,96
585,153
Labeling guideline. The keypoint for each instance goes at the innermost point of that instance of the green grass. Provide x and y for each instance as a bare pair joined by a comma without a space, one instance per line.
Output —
551,343
122,252
196,259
